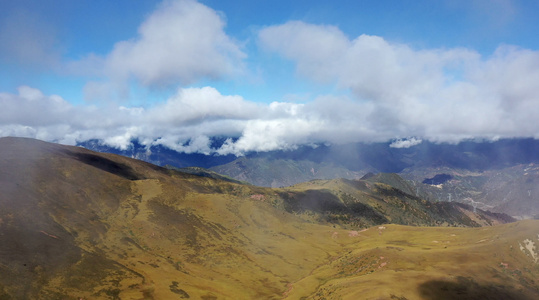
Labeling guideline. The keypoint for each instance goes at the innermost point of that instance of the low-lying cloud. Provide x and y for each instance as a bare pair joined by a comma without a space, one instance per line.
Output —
187,121
405,143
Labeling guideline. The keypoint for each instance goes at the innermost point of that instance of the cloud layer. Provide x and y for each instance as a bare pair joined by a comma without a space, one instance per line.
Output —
440,94
387,90
187,121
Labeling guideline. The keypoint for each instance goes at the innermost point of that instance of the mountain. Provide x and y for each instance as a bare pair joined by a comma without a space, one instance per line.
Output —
512,190
80,224
363,203
351,161
204,173
282,172
161,156
500,176
469,155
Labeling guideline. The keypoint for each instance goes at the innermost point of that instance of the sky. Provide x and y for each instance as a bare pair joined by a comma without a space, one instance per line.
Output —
269,75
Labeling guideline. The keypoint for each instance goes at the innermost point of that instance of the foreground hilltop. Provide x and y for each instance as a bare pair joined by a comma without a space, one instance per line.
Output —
79,224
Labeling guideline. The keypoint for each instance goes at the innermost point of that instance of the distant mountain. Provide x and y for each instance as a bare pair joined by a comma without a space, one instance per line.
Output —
162,156
79,224
263,171
378,157
513,190
481,171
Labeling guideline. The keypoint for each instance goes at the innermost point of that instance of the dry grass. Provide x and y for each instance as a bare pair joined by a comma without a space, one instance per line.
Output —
123,229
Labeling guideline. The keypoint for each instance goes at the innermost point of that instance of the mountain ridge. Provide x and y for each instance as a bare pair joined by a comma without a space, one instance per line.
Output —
489,175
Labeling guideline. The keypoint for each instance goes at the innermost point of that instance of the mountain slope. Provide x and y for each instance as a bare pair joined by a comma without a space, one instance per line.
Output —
79,224
477,167
363,203
130,229
399,262
282,172
204,173
512,190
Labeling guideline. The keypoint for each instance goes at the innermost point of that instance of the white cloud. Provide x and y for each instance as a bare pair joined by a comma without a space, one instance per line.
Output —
309,45
184,122
405,143
273,134
368,65
181,42
187,120
437,94
195,105
31,108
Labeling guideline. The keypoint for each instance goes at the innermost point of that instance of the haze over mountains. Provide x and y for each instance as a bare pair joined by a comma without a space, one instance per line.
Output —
81,224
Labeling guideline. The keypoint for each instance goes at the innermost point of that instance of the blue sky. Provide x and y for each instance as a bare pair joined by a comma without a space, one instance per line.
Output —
300,72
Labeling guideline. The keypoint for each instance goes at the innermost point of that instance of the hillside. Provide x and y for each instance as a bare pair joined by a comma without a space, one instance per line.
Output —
80,224
400,262
363,203
204,173
282,172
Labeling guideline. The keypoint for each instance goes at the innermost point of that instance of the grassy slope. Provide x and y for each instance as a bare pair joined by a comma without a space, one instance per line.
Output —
75,224
363,203
79,224
202,172
399,262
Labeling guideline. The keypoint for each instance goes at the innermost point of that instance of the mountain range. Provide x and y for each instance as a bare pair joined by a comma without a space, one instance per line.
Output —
501,176
78,224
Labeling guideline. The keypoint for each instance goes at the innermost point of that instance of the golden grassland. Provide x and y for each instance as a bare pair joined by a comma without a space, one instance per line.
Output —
80,225
239,246
403,262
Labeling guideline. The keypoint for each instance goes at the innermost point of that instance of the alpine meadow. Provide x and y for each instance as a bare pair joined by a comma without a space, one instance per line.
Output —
204,149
